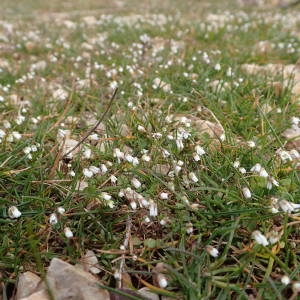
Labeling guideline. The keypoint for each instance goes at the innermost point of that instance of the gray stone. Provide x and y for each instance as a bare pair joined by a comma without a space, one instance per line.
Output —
68,282
28,283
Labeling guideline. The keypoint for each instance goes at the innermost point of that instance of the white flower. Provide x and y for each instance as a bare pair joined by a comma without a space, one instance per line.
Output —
118,154
236,164
60,94
285,280
146,158
16,135
53,219
87,173
95,170
294,154
251,144
274,237
136,183
113,179
179,144
263,173
295,120
242,170
87,153
163,196
163,222
61,210
246,193
27,150
152,209
162,281
135,161
103,168
72,173
214,252
270,182
133,205
141,128
199,150
94,137
259,238
196,156
217,67
2,134
256,168
286,206
284,155
14,213
193,177
68,233
189,228
106,196
20,119
296,286
128,157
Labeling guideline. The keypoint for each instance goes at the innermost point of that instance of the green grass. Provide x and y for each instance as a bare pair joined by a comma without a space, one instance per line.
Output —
214,206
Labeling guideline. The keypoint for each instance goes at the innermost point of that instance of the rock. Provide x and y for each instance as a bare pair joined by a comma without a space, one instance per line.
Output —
90,263
28,283
291,74
162,169
125,130
293,137
262,47
130,293
147,294
68,282
214,130
40,295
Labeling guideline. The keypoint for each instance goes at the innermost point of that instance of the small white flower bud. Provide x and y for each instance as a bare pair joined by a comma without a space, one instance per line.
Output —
61,210
251,144
236,164
133,205
199,150
260,238
103,168
189,228
242,170
285,280
193,177
53,219
162,281
14,213
87,173
296,287
68,233
136,183
113,179
256,168
246,193
106,196
95,170
214,252
152,209
163,196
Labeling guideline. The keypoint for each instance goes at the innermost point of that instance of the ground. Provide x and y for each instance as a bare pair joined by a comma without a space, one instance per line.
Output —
191,163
